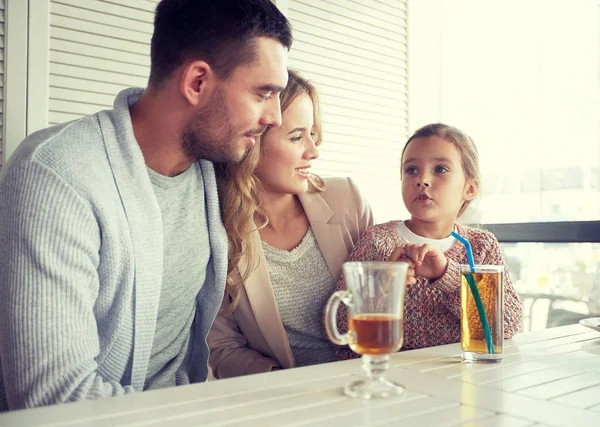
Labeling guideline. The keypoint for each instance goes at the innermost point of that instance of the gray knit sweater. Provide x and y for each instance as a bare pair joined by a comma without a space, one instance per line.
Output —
81,252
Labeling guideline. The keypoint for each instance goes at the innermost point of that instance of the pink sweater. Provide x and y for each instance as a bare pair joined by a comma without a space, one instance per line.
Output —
432,309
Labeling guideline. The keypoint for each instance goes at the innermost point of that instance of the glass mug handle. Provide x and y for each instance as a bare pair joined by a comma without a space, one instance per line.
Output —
331,316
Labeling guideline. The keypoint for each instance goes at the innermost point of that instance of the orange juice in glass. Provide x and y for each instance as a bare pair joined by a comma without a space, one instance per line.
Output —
474,346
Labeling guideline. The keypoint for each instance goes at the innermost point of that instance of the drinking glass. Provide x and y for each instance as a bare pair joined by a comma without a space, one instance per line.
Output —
375,300
488,280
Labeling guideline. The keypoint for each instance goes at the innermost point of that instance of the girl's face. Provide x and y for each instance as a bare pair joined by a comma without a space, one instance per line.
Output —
434,186
287,151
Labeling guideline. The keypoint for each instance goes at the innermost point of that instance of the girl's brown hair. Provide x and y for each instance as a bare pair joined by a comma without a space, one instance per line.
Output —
240,189
464,144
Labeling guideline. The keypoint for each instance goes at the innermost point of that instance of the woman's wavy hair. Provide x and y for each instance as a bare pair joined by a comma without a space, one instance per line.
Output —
463,143
240,189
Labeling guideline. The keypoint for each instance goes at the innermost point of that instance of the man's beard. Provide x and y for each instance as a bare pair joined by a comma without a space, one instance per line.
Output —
210,134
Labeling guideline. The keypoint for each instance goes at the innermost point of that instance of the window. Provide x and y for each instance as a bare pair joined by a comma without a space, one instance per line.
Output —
522,78
558,282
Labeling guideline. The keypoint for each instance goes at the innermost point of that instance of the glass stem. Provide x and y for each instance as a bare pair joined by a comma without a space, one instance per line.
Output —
375,366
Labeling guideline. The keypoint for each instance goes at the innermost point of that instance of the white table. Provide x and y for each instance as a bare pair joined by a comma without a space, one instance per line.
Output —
547,378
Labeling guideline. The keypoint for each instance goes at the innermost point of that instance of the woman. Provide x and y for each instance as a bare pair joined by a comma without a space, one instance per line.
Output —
289,233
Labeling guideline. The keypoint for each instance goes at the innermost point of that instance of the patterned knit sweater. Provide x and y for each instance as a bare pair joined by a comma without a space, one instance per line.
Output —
432,308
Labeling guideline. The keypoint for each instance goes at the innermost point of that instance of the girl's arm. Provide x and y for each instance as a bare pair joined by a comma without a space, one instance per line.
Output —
449,285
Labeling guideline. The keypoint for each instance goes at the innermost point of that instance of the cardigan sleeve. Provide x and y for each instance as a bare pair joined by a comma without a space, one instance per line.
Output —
49,340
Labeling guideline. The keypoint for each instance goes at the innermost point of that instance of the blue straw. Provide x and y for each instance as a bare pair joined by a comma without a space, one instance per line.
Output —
475,292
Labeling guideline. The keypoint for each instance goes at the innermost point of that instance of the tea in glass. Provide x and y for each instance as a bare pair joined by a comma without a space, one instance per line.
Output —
375,334
375,300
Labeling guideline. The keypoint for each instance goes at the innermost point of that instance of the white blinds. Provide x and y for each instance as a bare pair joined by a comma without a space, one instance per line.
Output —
356,54
97,48
1,82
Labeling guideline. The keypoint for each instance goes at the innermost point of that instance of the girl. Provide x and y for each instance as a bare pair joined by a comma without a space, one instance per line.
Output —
289,233
440,177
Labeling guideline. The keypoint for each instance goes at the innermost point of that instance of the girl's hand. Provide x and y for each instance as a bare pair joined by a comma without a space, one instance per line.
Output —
427,261
410,272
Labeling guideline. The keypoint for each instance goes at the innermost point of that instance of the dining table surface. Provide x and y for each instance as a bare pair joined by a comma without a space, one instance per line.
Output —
546,378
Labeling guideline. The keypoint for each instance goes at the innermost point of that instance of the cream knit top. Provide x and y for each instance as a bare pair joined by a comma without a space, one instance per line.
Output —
302,283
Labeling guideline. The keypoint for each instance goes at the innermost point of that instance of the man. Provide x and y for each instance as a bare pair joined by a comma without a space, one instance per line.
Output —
112,245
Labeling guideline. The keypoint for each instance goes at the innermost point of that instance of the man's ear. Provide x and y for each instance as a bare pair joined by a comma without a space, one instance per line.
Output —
196,79
471,188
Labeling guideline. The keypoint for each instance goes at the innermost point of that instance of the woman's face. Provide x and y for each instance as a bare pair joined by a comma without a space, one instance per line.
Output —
287,151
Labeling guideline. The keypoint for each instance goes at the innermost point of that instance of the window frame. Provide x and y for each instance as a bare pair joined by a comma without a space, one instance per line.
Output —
547,232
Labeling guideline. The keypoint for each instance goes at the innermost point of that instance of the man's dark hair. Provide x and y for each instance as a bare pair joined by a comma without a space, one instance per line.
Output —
220,32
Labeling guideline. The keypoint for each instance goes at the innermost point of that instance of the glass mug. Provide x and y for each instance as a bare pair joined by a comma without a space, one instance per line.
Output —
375,300
489,280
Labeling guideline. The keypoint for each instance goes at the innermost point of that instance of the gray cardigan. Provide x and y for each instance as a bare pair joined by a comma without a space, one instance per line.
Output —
81,264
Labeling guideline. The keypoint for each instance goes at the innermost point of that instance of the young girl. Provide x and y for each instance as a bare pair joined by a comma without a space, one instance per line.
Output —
440,177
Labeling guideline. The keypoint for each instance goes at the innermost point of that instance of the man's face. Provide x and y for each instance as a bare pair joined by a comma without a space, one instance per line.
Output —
240,108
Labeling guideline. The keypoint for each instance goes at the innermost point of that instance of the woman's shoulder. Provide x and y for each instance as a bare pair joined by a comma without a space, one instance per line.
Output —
337,185
342,195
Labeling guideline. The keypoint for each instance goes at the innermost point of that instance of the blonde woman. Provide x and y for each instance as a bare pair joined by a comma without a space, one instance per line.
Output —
289,233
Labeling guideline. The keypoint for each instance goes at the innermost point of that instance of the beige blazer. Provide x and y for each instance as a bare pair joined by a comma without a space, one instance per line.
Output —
252,339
